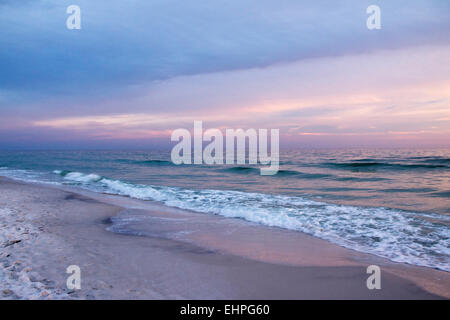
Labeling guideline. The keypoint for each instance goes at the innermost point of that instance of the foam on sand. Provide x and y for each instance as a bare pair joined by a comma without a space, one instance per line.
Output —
401,236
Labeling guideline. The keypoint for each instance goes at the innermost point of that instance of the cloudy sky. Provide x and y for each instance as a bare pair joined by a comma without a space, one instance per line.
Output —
139,69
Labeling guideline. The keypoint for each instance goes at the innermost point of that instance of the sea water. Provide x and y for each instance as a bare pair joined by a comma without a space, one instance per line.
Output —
393,203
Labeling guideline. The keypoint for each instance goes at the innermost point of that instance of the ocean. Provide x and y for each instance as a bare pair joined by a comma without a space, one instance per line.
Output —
394,203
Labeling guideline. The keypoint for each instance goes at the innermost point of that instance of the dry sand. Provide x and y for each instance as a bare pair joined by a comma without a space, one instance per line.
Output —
179,255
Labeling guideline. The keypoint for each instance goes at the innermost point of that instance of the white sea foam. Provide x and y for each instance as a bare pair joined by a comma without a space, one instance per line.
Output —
80,177
416,238
398,235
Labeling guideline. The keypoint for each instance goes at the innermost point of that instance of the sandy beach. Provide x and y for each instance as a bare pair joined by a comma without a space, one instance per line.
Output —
177,254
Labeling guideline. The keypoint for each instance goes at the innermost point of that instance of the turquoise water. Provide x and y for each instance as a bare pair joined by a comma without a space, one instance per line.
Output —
392,203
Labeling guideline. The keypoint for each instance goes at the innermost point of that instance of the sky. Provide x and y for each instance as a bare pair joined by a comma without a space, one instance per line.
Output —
137,70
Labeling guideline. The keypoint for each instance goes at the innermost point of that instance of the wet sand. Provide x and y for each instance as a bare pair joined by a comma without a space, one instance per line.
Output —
176,254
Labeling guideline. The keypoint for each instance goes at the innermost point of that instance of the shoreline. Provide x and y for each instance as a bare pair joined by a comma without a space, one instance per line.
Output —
182,255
